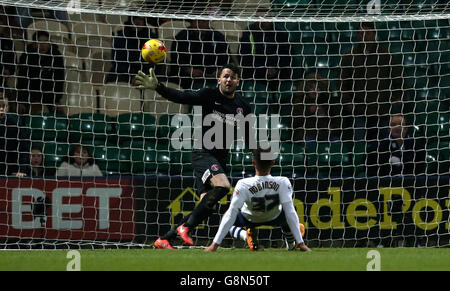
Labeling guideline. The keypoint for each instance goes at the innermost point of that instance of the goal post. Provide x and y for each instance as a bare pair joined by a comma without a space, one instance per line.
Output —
339,78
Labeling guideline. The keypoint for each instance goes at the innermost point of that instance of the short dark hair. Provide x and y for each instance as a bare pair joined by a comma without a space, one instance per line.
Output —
367,25
36,147
262,164
235,69
80,147
40,33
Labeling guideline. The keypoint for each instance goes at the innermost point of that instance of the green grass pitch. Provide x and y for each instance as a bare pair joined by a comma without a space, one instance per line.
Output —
339,259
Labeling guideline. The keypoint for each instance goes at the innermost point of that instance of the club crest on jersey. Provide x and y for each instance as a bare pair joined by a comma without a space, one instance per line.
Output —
239,110
215,167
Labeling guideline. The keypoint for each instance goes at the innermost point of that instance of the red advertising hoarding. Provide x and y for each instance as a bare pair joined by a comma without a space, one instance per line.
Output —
87,209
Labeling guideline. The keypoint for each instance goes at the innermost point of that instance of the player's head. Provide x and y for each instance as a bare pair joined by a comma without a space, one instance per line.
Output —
260,161
228,79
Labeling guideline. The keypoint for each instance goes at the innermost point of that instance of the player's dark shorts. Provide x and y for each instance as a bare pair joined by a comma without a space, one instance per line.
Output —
205,166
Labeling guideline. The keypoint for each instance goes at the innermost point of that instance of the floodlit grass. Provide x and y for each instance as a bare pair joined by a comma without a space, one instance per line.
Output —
338,259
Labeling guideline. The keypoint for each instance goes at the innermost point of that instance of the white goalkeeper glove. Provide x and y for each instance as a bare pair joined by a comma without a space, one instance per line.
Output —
146,82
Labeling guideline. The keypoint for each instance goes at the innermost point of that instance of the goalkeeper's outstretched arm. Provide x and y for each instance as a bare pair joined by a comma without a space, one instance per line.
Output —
183,97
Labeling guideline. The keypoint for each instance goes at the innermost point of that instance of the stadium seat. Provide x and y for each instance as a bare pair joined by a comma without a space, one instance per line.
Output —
129,4
136,126
169,123
143,161
58,31
312,32
98,65
256,94
91,35
407,47
240,161
48,127
240,157
71,61
232,32
343,32
437,125
331,158
118,98
112,159
285,128
282,103
359,158
157,105
55,153
79,97
85,17
291,160
19,47
199,84
424,107
314,49
167,32
90,128
429,94
417,77
171,160
116,20
345,6
438,157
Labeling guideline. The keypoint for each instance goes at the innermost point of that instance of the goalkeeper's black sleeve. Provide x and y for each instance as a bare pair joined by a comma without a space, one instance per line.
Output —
182,97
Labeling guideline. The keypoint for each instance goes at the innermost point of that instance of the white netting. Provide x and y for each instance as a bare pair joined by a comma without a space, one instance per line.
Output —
335,143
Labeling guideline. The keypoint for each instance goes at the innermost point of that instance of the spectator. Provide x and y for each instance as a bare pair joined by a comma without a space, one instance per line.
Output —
7,55
26,15
79,163
371,82
198,52
13,140
126,53
11,21
41,75
36,166
266,54
314,116
396,152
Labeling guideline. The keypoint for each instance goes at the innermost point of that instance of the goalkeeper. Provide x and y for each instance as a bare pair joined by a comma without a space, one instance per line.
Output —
209,164
262,200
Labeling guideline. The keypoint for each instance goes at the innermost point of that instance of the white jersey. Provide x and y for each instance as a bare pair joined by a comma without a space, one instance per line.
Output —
261,199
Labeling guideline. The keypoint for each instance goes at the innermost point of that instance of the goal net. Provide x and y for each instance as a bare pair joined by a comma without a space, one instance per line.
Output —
354,93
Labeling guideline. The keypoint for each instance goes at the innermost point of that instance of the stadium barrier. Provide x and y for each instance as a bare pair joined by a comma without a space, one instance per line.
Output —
134,210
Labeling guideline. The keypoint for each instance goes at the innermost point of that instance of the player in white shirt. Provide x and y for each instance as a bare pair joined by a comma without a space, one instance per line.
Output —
262,200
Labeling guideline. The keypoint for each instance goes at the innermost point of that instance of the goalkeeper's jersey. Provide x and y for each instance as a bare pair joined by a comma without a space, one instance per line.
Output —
216,107
261,197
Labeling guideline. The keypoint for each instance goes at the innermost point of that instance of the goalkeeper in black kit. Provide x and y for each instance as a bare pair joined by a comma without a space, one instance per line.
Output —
221,104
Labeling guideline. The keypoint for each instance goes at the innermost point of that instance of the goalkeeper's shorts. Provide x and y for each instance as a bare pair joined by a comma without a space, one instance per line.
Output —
205,166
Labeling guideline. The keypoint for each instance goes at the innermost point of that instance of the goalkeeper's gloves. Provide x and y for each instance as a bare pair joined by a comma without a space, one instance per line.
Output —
146,82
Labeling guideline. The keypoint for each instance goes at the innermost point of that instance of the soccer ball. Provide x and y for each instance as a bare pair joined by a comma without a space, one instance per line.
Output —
154,51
